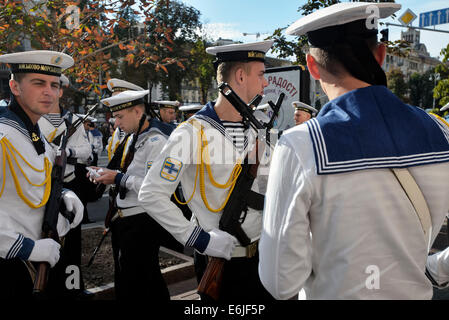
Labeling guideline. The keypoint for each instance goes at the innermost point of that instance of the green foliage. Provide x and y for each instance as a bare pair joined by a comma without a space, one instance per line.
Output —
181,23
441,91
421,89
396,83
202,67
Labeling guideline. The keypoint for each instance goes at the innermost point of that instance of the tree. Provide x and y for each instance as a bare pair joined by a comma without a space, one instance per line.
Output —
420,87
181,23
85,30
396,83
441,91
202,67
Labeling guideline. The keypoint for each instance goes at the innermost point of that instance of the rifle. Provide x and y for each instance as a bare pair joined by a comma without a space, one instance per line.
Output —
55,203
241,197
151,112
74,126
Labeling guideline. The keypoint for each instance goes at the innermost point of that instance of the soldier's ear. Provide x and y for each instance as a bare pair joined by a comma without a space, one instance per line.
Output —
15,87
380,53
313,67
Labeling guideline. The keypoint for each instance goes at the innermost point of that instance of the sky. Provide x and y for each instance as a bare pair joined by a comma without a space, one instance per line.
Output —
230,19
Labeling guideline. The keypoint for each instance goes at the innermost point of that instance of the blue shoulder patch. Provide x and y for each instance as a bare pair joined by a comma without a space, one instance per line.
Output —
170,169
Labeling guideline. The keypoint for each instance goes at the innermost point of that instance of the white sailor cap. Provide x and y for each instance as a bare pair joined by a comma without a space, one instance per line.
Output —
445,107
125,99
333,24
38,61
168,104
118,85
254,51
65,82
191,108
298,105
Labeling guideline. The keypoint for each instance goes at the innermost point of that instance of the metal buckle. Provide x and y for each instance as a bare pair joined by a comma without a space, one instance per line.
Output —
251,249
120,213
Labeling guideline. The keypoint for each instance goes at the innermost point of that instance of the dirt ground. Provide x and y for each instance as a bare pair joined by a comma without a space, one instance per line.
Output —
101,271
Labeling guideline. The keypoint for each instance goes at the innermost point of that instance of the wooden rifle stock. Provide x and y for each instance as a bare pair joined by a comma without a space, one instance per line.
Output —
210,283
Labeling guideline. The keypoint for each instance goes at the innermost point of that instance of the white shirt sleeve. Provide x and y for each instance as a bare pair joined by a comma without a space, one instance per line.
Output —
285,246
162,180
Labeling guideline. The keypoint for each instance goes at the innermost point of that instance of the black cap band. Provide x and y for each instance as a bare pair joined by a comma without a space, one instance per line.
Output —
120,89
127,105
244,56
36,68
333,35
305,109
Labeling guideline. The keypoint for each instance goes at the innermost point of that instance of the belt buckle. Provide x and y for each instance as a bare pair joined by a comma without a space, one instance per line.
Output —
120,213
251,249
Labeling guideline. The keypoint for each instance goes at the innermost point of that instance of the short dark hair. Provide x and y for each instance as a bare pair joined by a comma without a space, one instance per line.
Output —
331,63
18,76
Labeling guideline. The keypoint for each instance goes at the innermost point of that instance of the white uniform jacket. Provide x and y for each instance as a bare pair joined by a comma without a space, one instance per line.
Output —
179,162
148,147
78,145
21,193
355,234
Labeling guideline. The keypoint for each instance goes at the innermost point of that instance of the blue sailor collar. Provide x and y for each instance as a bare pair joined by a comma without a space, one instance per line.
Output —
371,128
208,111
208,114
160,127
14,116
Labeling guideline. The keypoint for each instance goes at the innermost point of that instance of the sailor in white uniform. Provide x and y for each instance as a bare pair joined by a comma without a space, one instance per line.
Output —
135,235
216,132
116,86
167,110
340,220
189,110
26,164
53,125
303,112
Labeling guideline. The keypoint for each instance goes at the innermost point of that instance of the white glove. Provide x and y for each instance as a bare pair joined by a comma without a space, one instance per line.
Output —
221,244
45,250
73,204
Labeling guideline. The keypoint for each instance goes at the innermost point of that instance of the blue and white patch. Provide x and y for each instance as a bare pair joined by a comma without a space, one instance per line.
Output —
154,139
170,169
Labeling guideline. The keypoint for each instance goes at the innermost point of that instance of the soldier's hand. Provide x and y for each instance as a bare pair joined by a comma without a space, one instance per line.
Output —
45,250
73,204
221,244
106,176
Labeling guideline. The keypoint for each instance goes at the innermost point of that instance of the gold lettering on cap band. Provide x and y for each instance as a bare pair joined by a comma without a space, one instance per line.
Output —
122,106
255,54
38,67
119,89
